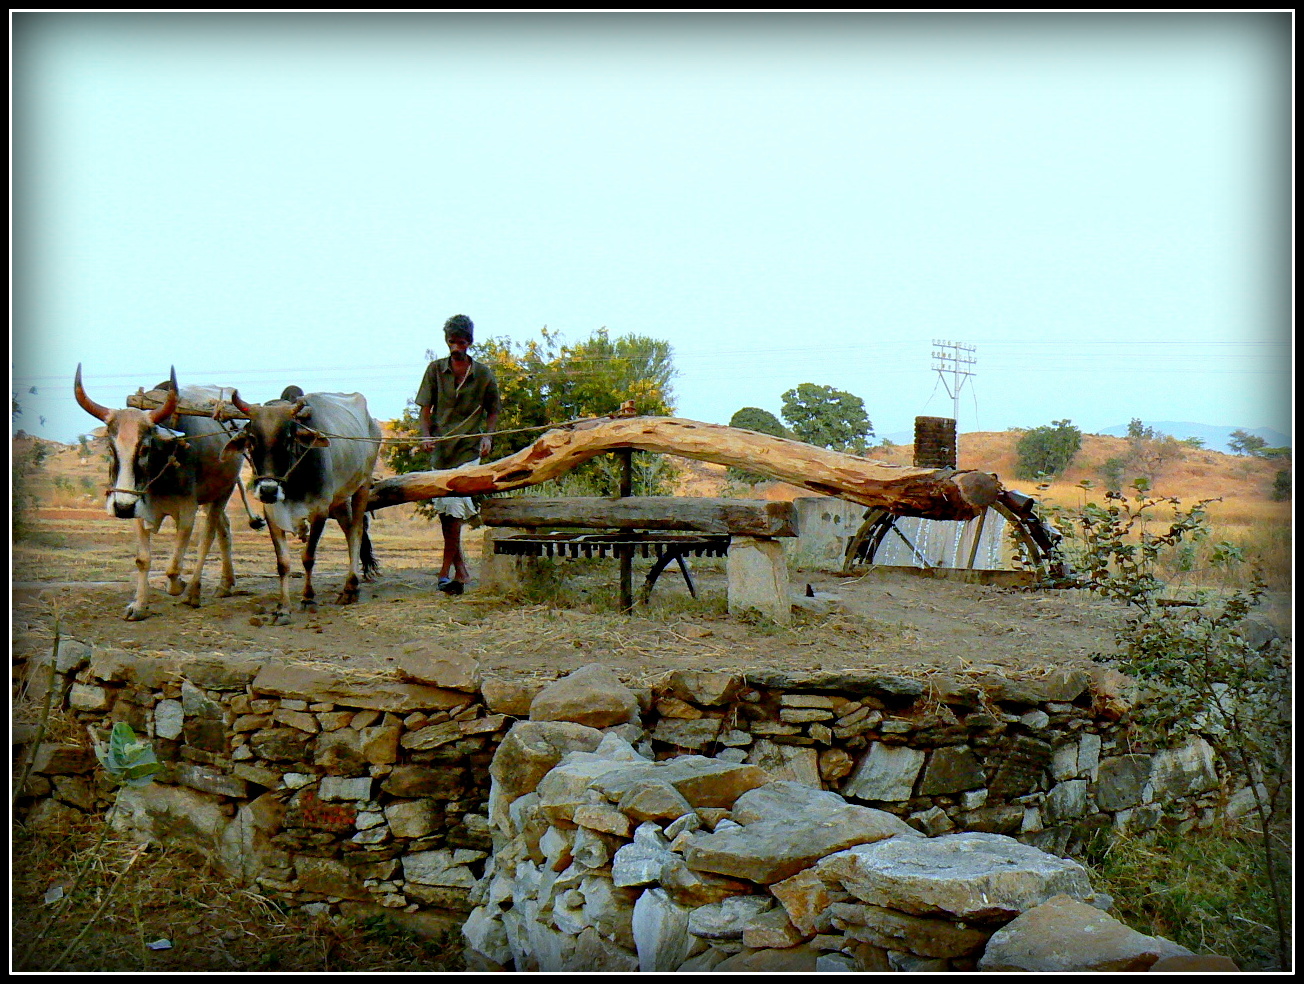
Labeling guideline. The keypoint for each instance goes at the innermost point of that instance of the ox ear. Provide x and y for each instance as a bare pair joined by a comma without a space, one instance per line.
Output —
237,445
311,438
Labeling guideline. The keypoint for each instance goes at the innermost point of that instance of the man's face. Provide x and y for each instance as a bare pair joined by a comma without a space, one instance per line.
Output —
457,345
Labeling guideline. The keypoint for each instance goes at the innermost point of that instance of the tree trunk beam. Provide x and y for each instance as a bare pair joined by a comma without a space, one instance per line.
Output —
905,491
740,517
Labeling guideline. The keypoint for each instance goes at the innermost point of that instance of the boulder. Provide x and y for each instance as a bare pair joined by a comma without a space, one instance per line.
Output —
593,695
1064,935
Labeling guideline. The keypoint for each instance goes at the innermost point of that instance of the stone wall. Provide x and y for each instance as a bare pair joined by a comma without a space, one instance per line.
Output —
610,862
321,786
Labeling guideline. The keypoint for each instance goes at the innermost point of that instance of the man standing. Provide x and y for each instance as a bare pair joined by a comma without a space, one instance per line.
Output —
458,396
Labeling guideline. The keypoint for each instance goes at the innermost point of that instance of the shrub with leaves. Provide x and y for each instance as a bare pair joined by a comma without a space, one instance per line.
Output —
1046,451
129,761
1206,678
1112,548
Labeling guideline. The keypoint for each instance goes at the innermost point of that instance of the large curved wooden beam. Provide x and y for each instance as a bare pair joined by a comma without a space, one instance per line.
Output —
905,491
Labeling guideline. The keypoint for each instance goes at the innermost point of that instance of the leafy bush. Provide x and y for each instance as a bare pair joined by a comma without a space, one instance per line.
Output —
1206,673
1048,450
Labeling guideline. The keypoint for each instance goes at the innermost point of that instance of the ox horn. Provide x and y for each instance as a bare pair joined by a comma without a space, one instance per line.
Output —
170,404
240,404
301,410
85,402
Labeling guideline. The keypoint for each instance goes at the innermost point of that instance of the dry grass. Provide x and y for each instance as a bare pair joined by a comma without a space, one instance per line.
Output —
211,923
1205,889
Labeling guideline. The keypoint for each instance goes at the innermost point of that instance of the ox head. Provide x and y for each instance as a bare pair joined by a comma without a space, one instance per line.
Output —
276,441
139,447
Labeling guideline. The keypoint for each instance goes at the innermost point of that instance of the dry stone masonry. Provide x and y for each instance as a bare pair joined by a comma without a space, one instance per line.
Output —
831,820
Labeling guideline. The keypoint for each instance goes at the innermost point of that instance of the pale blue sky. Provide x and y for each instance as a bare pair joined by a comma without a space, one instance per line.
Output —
1100,203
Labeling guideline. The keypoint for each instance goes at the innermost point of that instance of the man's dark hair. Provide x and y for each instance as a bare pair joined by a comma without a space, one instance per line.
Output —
459,324
291,393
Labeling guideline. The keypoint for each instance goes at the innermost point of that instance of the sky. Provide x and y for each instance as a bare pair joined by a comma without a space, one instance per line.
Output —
1100,204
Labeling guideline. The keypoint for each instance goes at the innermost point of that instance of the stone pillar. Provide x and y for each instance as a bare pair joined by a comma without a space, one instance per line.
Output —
758,578
498,573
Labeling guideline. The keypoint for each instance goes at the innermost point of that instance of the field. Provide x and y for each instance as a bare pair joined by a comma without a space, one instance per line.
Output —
74,565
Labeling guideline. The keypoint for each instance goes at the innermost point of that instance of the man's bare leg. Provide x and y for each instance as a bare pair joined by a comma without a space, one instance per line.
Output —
452,558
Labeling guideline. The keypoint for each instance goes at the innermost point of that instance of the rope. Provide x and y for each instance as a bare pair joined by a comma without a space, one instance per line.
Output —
221,414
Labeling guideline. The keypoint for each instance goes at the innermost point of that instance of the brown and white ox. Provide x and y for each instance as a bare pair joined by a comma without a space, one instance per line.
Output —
312,459
163,467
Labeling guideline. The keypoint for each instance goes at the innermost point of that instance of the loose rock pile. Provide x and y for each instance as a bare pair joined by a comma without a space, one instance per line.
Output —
606,861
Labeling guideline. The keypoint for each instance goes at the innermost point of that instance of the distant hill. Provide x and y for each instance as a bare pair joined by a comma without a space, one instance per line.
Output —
1215,438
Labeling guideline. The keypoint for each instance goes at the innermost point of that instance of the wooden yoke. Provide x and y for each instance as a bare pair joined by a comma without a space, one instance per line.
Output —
905,491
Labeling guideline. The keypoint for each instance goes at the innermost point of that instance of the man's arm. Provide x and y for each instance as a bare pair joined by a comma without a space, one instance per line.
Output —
427,412
487,442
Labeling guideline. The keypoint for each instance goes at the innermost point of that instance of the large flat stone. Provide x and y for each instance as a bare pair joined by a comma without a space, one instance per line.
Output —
968,875
375,693
767,851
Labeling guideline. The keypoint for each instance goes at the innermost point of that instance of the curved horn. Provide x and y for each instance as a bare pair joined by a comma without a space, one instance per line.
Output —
170,404
240,404
301,410
85,402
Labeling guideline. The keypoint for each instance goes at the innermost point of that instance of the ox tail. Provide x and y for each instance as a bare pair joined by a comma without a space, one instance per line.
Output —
370,568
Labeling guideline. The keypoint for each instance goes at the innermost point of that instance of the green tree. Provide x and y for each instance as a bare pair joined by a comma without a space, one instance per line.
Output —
1047,450
544,382
1243,442
827,418
761,421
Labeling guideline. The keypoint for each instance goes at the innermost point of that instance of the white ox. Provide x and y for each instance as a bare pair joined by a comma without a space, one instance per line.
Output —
158,471
312,460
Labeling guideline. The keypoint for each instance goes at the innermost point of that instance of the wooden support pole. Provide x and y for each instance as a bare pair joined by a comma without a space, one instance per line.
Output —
626,456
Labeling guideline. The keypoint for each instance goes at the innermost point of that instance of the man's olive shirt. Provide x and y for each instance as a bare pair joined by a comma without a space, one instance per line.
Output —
457,409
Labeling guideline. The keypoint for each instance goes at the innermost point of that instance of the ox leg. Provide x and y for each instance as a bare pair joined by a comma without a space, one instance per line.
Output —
315,528
227,585
213,512
139,608
351,519
281,614
185,520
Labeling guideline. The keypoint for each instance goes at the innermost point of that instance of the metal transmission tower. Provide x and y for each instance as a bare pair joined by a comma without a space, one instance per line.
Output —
954,362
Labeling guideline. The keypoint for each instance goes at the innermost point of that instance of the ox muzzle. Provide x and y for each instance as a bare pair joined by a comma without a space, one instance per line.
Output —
269,490
122,504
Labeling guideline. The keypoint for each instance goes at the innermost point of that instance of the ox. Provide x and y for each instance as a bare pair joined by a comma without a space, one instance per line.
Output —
159,470
305,475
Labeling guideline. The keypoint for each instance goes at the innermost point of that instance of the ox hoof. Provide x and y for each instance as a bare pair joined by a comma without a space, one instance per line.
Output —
191,601
224,591
134,614
308,606
280,618
346,598
176,586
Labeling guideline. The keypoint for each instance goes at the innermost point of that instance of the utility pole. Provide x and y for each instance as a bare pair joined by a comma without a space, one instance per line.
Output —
954,362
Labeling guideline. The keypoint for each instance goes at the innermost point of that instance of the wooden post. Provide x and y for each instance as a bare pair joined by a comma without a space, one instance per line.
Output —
626,456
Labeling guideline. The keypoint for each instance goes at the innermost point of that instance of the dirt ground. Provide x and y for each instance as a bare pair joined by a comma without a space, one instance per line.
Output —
81,566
